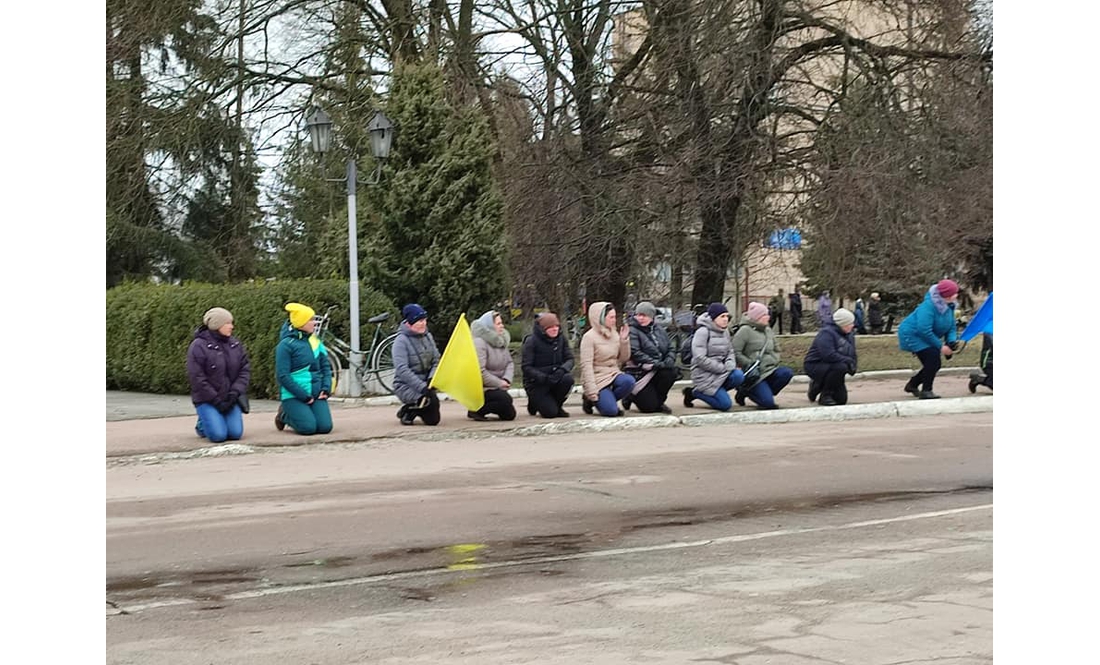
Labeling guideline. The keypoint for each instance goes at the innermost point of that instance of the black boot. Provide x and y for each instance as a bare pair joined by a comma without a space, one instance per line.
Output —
814,391
976,379
586,405
626,402
474,415
827,400
912,388
688,397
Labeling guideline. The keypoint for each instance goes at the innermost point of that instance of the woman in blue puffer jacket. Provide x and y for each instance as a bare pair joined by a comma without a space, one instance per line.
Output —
304,374
928,332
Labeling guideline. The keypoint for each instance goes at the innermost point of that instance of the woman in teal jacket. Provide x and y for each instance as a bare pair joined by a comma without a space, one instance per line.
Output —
304,375
927,332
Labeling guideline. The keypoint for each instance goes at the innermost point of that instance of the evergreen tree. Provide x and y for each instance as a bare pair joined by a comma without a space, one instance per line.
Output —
439,238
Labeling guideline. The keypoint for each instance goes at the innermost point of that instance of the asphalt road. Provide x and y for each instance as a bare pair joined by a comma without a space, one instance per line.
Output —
862,542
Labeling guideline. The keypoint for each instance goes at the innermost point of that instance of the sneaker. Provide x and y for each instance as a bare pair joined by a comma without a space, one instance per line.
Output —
407,418
279,423
975,381
814,391
928,394
474,415
688,397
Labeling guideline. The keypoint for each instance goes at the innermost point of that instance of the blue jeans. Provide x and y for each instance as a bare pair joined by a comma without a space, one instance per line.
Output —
721,398
607,402
217,426
764,393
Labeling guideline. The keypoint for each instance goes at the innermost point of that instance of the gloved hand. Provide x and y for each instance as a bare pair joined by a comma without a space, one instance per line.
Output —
851,369
558,375
225,406
234,396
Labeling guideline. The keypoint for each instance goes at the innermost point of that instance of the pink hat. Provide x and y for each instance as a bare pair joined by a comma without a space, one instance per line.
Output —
947,288
757,311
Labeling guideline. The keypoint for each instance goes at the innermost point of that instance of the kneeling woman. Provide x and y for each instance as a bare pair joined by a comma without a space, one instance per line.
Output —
754,340
714,369
415,359
831,356
603,351
491,341
303,373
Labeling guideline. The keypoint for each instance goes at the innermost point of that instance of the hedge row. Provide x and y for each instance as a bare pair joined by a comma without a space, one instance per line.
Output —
149,326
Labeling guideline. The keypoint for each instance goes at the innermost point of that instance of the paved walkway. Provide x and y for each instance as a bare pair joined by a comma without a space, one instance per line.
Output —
140,424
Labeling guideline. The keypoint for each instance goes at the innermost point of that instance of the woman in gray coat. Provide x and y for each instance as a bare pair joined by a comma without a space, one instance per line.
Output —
415,359
491,340
714,369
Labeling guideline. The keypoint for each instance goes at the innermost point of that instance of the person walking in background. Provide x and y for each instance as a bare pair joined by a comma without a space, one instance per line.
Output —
928,332
874,314
859,314
415,359
547,368
824,311
219,372
832,356
491,340
796,312
652,362
303,373
602,353
775,311
755,340
714,370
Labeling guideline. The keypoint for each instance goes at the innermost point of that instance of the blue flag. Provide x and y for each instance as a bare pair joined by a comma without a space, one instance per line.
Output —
982,321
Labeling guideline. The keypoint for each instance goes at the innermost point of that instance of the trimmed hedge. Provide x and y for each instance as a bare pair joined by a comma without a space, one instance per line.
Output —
150,326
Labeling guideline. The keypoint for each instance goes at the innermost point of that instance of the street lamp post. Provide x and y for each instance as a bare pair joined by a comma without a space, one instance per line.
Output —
319,126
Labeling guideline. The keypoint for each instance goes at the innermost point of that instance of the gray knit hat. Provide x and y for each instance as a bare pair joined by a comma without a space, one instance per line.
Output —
216,317
843,317
647,308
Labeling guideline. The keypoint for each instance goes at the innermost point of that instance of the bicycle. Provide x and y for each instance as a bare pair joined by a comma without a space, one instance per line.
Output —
376,372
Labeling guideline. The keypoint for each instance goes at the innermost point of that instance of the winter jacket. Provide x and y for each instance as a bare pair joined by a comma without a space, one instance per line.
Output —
301,365
545,360
650,350
830,347
415,359
874,313
750,338
796,304
928,325
712,357
216,366
493,355
602,352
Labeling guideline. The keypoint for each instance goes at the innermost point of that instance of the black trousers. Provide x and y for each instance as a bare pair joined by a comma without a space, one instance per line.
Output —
796,322
429,413
546,399
930,366
777,321
653,396
830,379
498,402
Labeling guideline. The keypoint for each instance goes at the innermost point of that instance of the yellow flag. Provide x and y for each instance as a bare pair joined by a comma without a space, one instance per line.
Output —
459,374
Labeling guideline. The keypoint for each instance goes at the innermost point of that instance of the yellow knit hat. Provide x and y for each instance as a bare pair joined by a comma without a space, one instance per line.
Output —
299,314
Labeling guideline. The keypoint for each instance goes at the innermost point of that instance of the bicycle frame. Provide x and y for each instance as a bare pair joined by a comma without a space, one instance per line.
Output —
375,369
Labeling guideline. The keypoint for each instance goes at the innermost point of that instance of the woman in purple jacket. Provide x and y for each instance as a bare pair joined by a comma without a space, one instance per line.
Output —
218,367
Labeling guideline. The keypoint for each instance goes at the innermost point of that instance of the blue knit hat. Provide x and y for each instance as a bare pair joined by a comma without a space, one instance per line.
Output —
716,309
413,313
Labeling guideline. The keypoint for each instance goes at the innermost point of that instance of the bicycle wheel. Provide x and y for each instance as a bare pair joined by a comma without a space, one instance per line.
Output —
381,363
334,363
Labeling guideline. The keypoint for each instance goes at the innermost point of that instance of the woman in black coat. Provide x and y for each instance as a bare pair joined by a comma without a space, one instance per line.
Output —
547,368
831,356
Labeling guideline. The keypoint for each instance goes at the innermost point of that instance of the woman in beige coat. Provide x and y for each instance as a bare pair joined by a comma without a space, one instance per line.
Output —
603,351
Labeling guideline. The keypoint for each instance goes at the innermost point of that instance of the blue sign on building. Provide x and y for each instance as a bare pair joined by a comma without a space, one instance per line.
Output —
788,238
